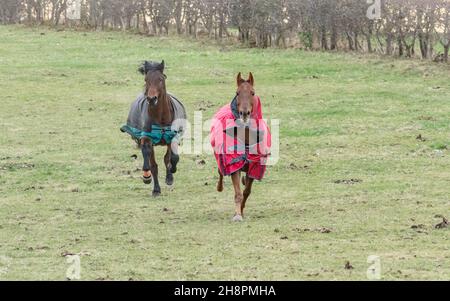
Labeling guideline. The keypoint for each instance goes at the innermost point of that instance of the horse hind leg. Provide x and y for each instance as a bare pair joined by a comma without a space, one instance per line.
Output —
220,182
244,180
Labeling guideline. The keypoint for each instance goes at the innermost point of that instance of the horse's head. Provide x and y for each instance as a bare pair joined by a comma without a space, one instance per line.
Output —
155,81
245,95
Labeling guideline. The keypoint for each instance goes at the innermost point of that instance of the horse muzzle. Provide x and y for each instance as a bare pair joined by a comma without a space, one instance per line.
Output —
153,101
244,117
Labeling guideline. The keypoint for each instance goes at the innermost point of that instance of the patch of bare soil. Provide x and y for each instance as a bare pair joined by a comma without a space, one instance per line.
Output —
322,230
348,266
442,225
116,83
348,181
293,166
14,166
204,105
419,228
421,138
201,162
415,227
427,118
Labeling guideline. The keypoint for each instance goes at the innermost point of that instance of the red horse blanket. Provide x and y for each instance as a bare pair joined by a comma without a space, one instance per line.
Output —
228,141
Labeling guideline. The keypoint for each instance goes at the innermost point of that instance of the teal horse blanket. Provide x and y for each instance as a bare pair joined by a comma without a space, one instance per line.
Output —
139,124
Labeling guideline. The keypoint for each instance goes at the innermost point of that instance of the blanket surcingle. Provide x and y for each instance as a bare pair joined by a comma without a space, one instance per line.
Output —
228,141
139,124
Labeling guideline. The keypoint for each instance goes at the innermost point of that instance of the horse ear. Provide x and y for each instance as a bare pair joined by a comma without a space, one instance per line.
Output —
143,68
239,79
161,66
251,80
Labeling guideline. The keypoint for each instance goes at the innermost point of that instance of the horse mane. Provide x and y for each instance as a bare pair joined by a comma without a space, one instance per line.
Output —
148,66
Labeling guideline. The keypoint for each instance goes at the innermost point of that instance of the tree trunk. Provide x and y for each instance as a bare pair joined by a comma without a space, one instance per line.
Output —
389,40
357,46
138,21
178,16
369,36
334,37
446,51
324,42
401,52
2,16
128,23
221,25
93,13
423,46
350,42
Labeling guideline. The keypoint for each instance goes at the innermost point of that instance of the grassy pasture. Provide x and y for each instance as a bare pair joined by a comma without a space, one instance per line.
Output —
353,179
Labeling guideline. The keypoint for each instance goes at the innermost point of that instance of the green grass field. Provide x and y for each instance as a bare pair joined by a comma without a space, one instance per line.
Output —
350,164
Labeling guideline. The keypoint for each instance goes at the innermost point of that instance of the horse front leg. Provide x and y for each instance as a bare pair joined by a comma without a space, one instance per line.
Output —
247,192
154,169
150,164
238,196
168,163
146,151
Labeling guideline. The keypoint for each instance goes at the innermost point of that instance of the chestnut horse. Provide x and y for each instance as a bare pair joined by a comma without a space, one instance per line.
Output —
244,104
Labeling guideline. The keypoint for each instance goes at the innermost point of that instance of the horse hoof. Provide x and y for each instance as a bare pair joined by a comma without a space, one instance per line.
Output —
156,194
169,180
238,218
147,180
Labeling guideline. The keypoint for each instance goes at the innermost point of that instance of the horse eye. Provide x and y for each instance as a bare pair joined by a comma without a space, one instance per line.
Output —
237,93
253,93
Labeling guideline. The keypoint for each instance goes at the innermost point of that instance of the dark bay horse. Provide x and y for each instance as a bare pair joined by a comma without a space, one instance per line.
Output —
151,122
249,134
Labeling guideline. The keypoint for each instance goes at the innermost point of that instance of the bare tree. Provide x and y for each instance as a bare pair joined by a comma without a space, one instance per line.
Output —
10,11
404,26
443,22
426,16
